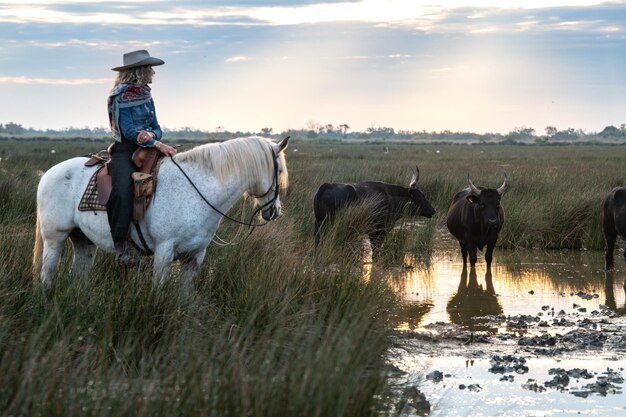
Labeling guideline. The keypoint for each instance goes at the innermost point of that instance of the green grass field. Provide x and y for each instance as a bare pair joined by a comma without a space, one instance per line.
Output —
275,327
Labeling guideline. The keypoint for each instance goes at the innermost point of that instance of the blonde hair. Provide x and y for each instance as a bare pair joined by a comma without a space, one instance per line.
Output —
138,75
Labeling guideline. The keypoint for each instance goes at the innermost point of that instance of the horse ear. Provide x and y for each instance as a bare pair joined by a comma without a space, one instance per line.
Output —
283,144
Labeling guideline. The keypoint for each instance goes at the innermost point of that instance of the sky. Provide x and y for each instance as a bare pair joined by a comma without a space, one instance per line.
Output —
243,65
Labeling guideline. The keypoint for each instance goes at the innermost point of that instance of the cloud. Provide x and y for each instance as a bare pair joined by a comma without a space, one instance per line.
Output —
199,13
237,58
53,81
81,43
389,56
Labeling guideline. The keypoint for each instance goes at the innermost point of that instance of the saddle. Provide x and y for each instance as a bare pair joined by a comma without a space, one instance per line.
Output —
148,160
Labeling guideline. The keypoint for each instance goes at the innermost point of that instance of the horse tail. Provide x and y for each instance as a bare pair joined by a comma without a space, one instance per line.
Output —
37,251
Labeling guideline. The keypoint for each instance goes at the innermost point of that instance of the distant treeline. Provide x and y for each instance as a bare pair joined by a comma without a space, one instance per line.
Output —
520,135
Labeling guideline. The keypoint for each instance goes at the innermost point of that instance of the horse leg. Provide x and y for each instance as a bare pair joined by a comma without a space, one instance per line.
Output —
52,250
84,254
188,271
163,258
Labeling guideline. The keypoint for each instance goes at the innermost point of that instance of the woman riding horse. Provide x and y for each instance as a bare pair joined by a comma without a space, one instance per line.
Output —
134,124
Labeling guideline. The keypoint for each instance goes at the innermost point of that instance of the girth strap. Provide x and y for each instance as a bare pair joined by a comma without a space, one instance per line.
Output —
145,248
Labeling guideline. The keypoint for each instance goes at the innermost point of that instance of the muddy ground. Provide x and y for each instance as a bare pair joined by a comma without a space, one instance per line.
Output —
567,358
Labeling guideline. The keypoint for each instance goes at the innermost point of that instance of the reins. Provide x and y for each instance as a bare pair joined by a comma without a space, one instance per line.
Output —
249,224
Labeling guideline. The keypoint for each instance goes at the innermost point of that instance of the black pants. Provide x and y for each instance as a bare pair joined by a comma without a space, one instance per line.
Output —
120,204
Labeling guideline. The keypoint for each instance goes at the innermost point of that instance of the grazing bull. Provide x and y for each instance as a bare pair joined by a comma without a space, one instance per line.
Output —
475,219
391,202
613,219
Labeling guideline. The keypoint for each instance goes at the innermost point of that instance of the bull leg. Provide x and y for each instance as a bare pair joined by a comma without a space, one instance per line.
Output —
609,248
84,256
472,255
489,253
317,231
609,293
376,240
464,254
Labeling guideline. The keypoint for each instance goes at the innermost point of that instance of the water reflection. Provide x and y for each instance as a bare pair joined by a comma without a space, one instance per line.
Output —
519,282
609,292
410,313
471,300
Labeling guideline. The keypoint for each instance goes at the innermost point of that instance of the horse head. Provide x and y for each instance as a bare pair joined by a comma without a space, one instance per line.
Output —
266,191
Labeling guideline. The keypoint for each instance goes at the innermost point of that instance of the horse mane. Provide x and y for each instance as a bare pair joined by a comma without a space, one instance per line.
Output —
246,158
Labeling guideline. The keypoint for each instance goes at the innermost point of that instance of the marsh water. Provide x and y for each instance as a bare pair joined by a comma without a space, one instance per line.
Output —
492,343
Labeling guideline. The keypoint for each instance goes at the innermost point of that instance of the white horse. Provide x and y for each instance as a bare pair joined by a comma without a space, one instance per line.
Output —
179,224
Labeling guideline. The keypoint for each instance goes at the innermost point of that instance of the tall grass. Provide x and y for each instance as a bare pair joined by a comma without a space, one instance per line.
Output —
275,326
268,332
271,329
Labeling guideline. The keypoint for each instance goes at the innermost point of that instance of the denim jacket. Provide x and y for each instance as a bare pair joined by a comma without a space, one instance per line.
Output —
140,117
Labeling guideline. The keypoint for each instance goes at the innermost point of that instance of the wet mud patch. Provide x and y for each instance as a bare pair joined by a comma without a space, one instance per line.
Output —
551,348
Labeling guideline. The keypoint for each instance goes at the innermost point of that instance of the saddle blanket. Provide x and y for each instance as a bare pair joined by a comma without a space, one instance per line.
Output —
89,201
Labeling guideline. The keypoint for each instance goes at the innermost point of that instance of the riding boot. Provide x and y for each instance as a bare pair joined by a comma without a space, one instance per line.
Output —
125,254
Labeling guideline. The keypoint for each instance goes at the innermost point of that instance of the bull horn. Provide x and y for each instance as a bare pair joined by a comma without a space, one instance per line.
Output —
473,188
415,177
505,186
283,144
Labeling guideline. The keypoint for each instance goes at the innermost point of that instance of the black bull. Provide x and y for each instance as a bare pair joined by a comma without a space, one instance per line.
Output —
613,219
390,203
475,219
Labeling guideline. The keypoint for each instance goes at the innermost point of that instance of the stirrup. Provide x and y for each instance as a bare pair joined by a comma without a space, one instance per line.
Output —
126,256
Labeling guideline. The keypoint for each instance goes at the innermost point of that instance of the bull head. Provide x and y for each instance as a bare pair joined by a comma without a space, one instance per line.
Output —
421,205
487,201
415,177
501,190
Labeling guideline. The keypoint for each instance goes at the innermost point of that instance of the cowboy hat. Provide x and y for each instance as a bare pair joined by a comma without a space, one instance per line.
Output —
138,59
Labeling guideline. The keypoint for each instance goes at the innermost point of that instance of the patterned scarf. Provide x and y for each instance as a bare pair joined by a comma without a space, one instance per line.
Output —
125,95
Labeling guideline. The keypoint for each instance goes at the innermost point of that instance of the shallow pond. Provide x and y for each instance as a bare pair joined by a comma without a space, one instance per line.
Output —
541,334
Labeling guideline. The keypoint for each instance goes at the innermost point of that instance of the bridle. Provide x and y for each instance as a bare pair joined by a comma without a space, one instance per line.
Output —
275,186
